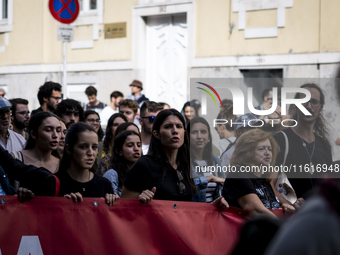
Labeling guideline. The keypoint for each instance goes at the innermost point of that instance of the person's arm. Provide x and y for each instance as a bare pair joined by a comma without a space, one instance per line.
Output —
252,204
145,197
221,203
16,170
216,179
112,176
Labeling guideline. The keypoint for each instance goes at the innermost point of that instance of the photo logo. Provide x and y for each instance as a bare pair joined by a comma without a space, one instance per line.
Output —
213,90
239,100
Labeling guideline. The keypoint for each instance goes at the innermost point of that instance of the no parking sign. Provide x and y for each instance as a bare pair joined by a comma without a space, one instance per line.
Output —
64,11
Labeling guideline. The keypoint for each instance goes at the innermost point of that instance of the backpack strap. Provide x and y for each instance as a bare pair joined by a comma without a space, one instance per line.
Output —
228,147
57,185
286,147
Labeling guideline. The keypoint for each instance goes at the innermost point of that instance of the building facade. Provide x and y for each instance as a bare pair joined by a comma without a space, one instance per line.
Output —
164,43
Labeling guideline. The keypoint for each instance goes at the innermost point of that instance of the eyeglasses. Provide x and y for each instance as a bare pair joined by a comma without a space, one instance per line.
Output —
24,113
5,112
56,98
270,98
180,183
93,120
151,118
313,102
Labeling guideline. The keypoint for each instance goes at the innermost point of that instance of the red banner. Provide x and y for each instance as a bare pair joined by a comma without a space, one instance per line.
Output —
59,226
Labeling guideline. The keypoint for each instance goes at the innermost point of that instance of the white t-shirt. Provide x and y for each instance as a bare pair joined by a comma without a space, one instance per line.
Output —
224,143
105,114
15,142
145,149
211,186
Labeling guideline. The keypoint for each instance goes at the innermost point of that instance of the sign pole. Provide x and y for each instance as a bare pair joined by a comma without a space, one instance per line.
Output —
65,70
66,13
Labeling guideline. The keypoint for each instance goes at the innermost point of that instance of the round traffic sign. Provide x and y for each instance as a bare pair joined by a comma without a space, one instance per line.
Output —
64,11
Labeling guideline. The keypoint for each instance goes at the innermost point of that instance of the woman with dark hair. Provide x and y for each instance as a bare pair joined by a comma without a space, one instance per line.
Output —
247,187
125,152
127,126
104,150
92,118
189,111
76,173
104,163
208,183
166,168
44,133
63,133
114,121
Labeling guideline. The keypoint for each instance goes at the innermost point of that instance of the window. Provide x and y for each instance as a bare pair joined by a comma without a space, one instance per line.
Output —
91,12
6,16
4,9
76,91
262,79
88,5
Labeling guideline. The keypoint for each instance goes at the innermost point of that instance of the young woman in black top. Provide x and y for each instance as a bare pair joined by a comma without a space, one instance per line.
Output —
165,172
251,190
76,172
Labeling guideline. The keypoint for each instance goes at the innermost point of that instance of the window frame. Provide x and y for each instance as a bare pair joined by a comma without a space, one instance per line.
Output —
6,24
90,17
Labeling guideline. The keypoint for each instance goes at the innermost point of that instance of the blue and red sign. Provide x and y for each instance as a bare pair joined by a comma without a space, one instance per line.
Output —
64,11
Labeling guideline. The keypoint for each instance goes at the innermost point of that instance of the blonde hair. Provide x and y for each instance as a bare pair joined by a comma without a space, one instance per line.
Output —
246,144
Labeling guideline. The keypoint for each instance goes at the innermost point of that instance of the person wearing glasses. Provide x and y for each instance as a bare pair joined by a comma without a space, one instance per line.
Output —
9,140
126,151
49,96
308,144
249,188
148,113
92,118
20,116
164,173
45,131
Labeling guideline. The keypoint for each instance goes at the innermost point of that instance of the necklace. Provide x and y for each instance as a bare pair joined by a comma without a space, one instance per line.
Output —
88,181
311,169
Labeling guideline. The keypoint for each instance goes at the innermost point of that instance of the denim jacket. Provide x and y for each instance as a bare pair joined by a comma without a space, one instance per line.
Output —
201,182
6,186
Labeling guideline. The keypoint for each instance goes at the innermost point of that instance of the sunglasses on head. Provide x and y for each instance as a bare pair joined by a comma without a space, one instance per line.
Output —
151,118
180,183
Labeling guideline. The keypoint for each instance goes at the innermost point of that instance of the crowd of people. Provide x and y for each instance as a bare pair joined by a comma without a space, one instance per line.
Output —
134,148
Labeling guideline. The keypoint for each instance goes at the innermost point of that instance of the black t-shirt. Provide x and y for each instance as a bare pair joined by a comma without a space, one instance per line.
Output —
237,185
147,173
298,156
97,187
36,111
97,107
